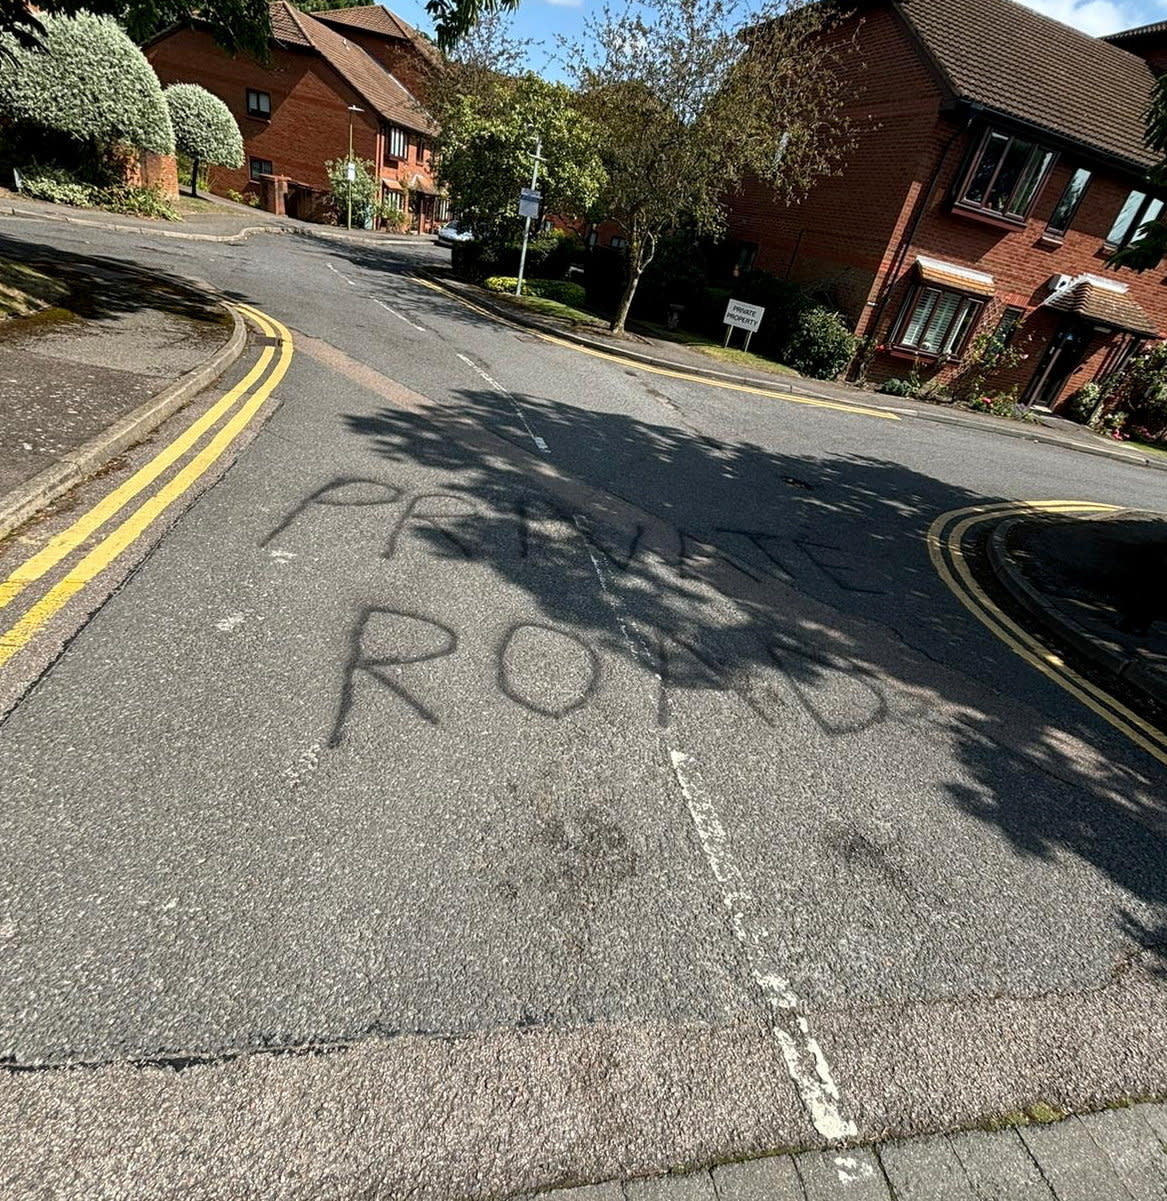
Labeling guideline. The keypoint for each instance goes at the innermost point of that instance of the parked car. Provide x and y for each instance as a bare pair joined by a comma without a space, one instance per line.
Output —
451,234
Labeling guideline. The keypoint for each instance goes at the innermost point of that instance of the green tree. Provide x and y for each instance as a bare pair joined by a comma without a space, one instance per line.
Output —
88,81
320,6
690,99
486,150
361,190
1145,251
236,24
455,19
204,129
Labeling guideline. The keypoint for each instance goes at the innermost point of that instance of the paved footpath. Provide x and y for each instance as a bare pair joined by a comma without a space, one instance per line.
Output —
1115,1155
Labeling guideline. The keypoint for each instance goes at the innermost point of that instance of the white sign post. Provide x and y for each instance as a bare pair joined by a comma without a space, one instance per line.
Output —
529,200
739,315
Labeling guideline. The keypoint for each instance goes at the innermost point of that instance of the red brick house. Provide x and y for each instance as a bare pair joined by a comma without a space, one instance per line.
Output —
294,111
999,163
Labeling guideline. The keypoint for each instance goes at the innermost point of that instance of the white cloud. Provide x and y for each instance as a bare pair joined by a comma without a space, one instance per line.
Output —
566,3
1096,17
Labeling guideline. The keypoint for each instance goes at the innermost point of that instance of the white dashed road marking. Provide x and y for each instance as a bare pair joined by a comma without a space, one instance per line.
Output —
400,316
539,442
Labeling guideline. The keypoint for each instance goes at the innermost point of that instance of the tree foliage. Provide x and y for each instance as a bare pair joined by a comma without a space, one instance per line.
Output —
487,146
361,189
456,19
1146,249
320,6
204,128
88,81
691,97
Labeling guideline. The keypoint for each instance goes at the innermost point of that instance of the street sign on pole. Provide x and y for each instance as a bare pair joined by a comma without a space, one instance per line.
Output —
529,203
350,172
739,315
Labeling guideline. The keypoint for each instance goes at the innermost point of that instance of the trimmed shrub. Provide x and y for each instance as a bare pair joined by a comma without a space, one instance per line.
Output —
57,186
204,129
561,290
820,344
89,82
896,387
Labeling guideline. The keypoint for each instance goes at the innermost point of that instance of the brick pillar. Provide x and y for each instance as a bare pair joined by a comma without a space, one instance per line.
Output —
273,192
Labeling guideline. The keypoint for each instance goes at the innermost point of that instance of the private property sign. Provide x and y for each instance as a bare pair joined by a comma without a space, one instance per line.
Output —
740,315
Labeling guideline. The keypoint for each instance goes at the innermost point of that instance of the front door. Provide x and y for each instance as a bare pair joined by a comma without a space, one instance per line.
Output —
1062,358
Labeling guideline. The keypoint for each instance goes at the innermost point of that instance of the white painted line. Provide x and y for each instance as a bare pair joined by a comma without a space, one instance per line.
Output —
351,283
540,444
400,316
805,1061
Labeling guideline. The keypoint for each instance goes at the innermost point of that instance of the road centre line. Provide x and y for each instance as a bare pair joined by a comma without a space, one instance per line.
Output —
805,1062
130,530
64,543
726,385
401,316
351,283
945,548
540,444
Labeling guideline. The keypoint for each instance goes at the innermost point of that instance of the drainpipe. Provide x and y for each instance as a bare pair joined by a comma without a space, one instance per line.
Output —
918,216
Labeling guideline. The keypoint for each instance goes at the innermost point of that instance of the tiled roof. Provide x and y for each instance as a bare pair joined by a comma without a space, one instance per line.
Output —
1105,307
286,27
377,87
1134,35
1016,61
376,18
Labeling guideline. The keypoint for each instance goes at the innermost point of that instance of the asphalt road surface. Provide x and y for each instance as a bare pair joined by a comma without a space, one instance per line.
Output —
521,768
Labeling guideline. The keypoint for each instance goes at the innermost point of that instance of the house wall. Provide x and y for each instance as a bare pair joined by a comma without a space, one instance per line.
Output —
1021,261
839,235
309,119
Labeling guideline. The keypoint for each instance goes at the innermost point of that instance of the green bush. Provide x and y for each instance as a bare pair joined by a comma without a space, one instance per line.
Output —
362,189
819,344
58,186
896,387
138,202
88,81
561,290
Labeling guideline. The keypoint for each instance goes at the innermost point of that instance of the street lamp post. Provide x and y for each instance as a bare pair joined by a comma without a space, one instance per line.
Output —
350,170
538,156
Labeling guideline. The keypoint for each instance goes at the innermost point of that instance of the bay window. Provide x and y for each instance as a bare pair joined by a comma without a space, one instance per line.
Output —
938,322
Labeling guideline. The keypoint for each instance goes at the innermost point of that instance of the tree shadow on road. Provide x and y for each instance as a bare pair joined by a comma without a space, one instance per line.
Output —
726,561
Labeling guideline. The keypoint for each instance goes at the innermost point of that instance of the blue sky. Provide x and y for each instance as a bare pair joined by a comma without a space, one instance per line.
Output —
541,20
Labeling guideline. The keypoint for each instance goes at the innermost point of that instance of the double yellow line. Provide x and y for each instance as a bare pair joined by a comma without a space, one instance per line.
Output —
946,538
253,390
839,406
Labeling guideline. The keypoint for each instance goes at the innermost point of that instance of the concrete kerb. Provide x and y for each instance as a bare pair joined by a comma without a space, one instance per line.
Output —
1124,666
25,501
234,239
803,387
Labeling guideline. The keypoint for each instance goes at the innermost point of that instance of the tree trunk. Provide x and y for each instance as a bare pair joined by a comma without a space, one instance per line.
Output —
194,176
640,255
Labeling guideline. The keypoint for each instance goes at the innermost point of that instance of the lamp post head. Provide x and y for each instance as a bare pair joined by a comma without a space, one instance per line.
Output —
354,108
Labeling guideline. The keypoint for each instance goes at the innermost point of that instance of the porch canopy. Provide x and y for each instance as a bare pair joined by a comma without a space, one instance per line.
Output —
954,276
1103,306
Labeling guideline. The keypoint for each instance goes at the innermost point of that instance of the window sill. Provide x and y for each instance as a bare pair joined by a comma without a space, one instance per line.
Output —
908,352
988,218
259,117
1052,239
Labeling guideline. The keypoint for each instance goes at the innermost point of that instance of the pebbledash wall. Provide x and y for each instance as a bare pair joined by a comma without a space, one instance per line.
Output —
309,122
859,233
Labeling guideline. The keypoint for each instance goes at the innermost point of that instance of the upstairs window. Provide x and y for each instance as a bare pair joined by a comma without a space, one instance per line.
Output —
1138,210
396,142
1006,176
1067,206
938,322
259,104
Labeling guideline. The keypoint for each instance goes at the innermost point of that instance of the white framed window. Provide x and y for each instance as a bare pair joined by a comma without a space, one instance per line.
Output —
396,142
259,104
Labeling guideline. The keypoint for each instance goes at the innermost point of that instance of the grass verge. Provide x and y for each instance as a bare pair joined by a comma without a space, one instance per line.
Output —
24,291
713,350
